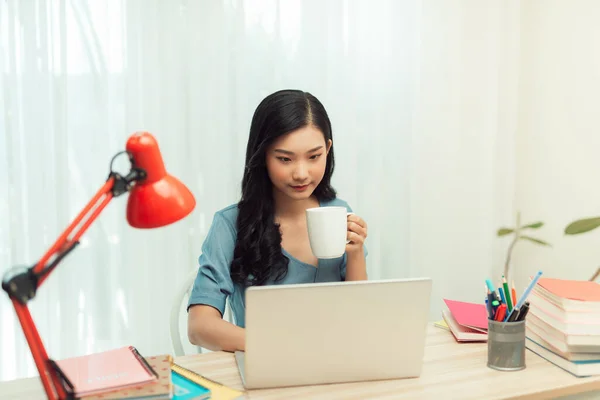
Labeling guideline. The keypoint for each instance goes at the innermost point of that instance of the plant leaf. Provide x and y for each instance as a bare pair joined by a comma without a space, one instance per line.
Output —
535,225
505,231
535,240
582,226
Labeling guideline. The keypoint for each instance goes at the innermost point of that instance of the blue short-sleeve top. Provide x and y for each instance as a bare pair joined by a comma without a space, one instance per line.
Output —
213,284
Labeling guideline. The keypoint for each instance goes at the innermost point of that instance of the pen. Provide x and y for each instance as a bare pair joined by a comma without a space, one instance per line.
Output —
526,292
502,296
495,305
512,317
524,311
489,285
488,306
508,301
488,302
492,289
500,313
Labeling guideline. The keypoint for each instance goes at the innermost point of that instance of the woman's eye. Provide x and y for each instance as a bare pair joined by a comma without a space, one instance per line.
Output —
284,159
315,156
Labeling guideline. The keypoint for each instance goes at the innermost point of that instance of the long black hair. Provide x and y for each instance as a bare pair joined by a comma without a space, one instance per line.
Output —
257,257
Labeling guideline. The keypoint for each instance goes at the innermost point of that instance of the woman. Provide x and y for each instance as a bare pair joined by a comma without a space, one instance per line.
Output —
263,240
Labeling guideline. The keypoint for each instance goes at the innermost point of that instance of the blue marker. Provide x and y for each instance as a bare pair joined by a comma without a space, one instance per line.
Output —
526,292
488,306
502,295
490,285
492,290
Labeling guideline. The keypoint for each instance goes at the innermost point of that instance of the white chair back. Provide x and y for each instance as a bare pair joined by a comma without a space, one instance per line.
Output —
178,315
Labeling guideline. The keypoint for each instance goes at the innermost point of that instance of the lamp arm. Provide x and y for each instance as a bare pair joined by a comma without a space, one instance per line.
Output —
21,283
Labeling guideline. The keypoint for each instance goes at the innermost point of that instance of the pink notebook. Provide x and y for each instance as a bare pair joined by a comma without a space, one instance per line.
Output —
106,371
470,315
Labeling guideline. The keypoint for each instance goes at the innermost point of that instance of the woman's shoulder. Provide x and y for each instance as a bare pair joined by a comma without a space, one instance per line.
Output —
230,212
337,202
226,217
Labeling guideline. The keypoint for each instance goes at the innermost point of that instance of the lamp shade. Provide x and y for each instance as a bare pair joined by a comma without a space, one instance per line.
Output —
160,199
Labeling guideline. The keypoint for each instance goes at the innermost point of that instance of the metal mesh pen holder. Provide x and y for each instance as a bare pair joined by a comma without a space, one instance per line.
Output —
506,345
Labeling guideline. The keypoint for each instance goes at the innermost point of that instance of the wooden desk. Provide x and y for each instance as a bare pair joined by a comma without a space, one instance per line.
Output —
451,371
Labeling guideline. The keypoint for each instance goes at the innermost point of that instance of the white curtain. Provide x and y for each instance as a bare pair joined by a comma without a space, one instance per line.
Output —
422,96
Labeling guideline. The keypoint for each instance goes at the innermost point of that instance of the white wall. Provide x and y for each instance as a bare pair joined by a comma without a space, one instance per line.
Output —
558,141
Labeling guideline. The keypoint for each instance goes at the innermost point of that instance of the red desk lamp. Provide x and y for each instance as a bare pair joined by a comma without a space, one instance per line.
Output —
155,199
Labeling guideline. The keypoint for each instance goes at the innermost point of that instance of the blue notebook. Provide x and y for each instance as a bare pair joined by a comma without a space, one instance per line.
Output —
184,389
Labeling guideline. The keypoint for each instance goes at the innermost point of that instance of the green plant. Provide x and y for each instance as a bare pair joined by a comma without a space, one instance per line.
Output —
582,226
518,235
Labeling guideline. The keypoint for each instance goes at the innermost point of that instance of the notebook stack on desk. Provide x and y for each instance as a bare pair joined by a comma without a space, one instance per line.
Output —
123,373
563,324
119,373
466,321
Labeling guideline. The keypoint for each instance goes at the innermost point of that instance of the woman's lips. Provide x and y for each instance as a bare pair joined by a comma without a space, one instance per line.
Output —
300,188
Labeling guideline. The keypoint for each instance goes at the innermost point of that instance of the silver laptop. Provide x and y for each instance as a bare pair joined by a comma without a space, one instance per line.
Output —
309,334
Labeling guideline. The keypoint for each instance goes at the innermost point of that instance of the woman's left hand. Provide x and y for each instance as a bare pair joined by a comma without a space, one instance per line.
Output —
357,233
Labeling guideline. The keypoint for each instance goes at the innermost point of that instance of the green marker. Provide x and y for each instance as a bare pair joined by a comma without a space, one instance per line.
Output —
507,292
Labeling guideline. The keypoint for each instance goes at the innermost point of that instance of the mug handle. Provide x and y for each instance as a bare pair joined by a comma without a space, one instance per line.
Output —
347,215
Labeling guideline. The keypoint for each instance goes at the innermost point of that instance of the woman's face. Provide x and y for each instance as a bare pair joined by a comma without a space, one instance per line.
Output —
296,162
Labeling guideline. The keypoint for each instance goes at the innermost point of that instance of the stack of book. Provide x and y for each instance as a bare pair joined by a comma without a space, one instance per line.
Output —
563,324
123,373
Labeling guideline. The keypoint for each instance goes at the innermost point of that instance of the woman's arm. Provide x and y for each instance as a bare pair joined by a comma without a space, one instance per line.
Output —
356,267
211,288
206,328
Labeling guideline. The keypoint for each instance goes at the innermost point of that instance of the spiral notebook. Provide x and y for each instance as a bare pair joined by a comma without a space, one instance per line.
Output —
107,371
162,389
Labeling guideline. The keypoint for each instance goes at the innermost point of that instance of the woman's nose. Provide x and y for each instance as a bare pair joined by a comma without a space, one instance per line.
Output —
300,172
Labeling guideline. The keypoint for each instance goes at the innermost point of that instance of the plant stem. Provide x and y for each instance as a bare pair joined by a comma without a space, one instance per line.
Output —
596,275
509,254
512,245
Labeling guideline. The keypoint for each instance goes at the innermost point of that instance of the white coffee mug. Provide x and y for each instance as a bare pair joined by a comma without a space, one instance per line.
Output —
327,231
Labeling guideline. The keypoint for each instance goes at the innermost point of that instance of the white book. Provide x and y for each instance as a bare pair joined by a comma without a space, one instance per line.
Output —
461,333
574,343
592,327
570,295
577,368
563,350
579,316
